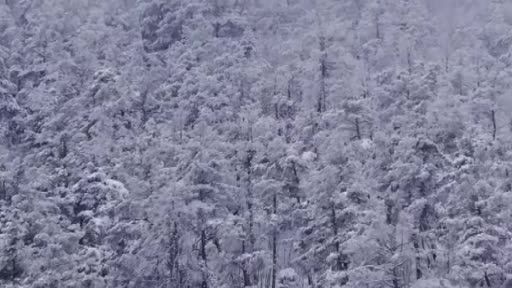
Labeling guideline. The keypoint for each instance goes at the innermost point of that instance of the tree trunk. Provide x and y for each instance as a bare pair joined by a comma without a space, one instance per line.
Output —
63,149
487,280
274,243
493,119
310,280
3,190
173,255
335,234
377,27
274,258
396,283
144,111
250,233
416,245
358,129
204,284
245,273
321,104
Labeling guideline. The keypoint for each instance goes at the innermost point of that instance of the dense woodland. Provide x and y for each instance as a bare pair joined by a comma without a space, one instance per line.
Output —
255,143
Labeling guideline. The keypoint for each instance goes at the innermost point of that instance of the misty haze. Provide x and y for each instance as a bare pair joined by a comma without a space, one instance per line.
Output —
256,143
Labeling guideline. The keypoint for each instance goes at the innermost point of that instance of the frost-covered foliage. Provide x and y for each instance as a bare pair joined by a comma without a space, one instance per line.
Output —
255,143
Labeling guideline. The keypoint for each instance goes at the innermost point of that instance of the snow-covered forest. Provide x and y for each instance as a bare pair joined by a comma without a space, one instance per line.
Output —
255,143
